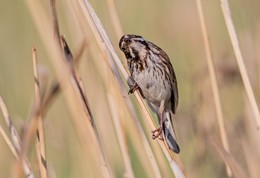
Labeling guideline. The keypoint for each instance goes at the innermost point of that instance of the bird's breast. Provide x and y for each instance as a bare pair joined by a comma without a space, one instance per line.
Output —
153,85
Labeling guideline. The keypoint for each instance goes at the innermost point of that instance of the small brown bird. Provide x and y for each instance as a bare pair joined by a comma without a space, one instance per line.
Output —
153,76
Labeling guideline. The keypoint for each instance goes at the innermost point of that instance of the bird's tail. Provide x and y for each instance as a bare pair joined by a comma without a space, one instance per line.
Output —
169,133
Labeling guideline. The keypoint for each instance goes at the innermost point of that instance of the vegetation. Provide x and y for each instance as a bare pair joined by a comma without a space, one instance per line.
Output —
64,100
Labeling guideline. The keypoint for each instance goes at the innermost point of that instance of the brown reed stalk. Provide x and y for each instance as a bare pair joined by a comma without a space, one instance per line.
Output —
228,158
250,142
234,40
79,52
120,134
8,141
55,24
76,77
55,89
73,98
69,57
25,164
106,45
214,85
35,124
114,18
40,138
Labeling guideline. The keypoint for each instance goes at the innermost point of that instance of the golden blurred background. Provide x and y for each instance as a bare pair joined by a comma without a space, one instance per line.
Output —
175,27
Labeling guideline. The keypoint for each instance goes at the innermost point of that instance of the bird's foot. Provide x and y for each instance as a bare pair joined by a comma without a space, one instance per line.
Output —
157,133
136,87
133,88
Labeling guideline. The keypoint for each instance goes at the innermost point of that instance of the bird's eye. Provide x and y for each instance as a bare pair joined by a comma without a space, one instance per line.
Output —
124,48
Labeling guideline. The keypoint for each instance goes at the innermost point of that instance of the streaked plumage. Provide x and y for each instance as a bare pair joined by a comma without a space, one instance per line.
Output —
153,75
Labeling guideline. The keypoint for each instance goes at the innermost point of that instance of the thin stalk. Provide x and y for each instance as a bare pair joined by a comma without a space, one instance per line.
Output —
213,80
240,60
16,141
40,139
73,98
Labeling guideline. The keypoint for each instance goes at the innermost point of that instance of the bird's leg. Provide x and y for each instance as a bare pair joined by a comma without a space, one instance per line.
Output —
157,133
133,88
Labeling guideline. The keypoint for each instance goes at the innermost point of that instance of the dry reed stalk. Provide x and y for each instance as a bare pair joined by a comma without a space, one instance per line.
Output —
31,130
139,134
250,143
8,141
16,140
214,85
107,47
141,144
227,158
79,52
81,91
115,19
120,134
73,100
40,139
14,134
234,40
69,57
55,24
251,159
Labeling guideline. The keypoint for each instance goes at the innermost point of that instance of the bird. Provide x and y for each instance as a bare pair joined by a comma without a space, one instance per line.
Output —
152,74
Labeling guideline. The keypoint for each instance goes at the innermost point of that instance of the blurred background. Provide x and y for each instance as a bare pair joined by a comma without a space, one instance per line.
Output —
174,26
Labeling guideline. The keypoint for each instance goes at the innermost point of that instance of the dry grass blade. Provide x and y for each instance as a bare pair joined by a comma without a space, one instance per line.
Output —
214,84
8,142
121,135
31,130
141,135
55,89
106,45
55,20
14,134
79,52
226,157
240,61
16,140
40,140
81,91
114,17
140,141
75,104
102,38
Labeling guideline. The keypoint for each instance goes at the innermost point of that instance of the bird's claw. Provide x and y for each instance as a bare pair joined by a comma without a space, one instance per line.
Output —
157,133
133,88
